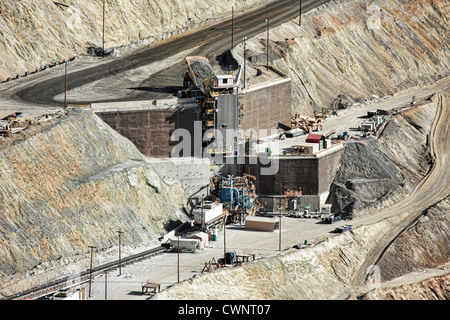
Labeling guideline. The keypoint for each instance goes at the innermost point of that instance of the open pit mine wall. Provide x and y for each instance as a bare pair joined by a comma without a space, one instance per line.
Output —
35,34
71,183
425,245
358,49
379,174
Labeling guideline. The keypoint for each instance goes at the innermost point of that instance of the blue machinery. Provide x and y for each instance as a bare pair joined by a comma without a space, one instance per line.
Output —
237,193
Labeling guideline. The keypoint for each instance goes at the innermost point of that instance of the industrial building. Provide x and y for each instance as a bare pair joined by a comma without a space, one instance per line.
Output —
230,128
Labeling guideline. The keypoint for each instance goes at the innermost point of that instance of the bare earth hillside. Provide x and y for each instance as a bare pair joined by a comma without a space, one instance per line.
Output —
357,49
71,183
38,33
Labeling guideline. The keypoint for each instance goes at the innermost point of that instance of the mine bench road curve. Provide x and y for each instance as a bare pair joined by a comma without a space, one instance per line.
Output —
434,187
209,41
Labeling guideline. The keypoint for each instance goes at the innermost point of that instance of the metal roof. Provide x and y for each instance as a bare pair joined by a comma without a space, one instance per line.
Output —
315,137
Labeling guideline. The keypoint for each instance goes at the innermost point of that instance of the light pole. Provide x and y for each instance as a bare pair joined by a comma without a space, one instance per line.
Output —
90,270
267,46
245,39
103,35
178,260
120,261
300,13
232,27
65,84
279,245
106,285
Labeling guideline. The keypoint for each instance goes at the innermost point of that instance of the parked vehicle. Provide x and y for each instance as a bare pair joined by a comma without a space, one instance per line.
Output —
342,229
332,218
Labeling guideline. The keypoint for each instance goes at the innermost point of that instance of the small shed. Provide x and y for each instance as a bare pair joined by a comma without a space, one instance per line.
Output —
316,138
261,223
224,81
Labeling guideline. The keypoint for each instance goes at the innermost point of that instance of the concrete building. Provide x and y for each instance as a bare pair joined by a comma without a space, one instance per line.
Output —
312,174
150,124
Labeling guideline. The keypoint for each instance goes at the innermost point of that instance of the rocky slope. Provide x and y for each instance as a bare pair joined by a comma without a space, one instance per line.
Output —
382,172
435,288
356,49
424,245
70,183
39,33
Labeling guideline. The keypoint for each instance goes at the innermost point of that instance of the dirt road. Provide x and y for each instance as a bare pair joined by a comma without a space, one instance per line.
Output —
132,77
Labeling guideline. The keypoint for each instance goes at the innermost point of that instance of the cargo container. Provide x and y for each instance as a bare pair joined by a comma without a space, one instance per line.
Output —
186,245
261,223
211,211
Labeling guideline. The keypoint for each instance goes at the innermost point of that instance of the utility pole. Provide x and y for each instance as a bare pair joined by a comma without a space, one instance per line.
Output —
65,84
120,261
103,34
267,49
279,227
106,285
203,218
300,13
178,261
90,270
224,243
232,27
245,38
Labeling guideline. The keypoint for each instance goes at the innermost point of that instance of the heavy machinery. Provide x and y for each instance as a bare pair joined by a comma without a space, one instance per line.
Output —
237,195
307,124
344,136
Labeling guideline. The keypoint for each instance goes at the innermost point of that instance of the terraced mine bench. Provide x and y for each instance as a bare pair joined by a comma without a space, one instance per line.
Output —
151,287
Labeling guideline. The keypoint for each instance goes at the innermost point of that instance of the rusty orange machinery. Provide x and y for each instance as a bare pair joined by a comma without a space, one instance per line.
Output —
291,194
308,124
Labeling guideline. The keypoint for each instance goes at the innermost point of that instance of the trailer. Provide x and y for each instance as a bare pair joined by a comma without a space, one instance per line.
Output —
185,245
209,215
259,223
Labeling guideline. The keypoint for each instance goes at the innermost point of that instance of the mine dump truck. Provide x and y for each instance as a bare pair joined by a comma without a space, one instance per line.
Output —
199,70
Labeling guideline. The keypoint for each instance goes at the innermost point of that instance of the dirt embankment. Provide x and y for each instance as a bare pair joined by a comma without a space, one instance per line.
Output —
425,245
372,176
71,183
356,49
435,288
39,33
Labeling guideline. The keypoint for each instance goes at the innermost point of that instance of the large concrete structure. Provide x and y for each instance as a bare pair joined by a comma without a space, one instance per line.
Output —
150,124
312,174
192,173
266,105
